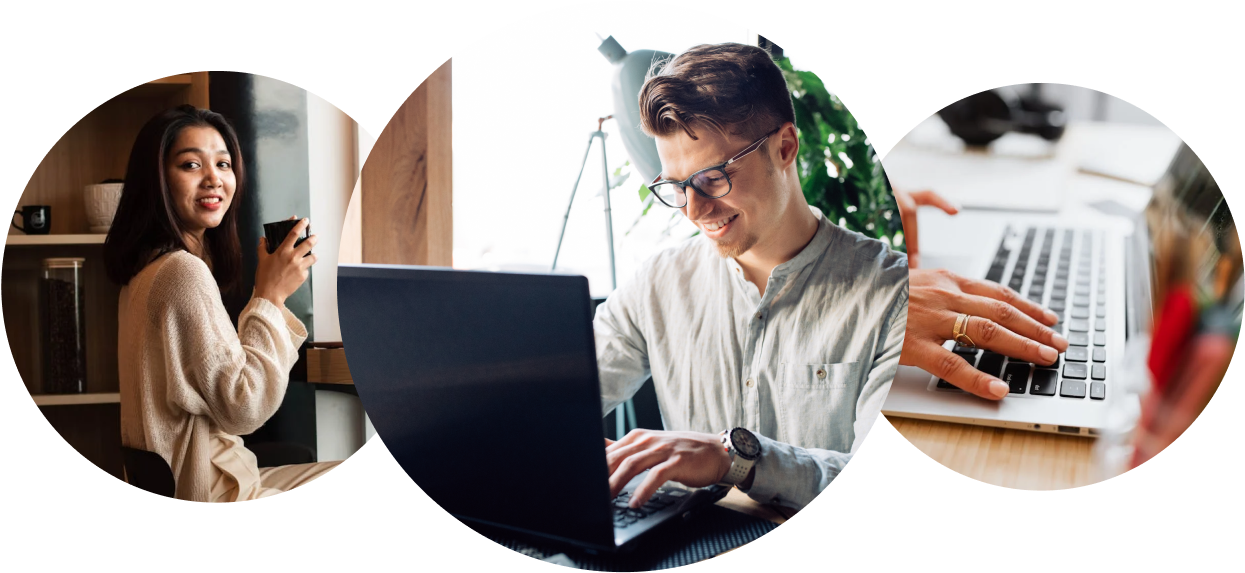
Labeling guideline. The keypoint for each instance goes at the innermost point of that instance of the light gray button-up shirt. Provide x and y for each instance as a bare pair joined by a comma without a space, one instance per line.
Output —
805,367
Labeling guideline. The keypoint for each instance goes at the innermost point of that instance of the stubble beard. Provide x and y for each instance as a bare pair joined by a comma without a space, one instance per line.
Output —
732,249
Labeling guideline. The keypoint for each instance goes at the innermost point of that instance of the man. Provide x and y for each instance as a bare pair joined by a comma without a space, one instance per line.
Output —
773,320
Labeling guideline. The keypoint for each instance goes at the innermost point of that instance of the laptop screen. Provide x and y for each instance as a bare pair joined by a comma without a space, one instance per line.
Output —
1192,238
484,388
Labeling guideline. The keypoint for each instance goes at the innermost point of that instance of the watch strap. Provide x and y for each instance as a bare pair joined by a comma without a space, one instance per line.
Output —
739,465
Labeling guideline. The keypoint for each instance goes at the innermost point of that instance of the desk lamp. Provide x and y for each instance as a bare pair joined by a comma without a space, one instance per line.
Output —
630,69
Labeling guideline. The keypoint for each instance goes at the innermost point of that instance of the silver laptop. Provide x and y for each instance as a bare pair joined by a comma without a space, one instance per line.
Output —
1092,270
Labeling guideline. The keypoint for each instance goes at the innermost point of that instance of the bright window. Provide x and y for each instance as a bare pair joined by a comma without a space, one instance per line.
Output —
526,99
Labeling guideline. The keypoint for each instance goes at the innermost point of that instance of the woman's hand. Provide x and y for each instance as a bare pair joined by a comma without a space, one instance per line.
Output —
908,203
281,273
1002,321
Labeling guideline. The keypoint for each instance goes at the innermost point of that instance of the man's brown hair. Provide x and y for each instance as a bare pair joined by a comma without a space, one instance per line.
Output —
732,89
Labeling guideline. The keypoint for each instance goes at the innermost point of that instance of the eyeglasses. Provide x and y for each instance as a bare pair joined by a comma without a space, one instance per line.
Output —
710,182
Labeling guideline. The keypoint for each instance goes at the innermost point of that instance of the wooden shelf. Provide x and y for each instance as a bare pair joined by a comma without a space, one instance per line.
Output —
161,87
76,399
56,239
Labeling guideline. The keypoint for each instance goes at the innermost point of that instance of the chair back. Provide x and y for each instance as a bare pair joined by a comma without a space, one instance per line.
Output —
148,471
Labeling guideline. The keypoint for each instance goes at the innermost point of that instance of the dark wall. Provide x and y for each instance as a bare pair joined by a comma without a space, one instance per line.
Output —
270,117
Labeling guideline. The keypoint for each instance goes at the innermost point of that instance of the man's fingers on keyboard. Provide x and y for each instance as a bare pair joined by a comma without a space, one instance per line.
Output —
656,476
630,467
616,456
991,336
954,369
1006,294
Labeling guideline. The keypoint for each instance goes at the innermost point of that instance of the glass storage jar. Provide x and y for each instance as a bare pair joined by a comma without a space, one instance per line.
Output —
63,321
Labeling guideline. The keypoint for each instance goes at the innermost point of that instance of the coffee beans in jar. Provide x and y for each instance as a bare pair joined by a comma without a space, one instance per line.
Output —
63,321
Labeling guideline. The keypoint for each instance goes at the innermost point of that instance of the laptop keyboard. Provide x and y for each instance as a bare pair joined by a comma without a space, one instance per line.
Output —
625,516
1066,274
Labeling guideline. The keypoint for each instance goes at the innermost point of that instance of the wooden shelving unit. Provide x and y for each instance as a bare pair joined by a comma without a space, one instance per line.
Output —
94,149
77,399
36,240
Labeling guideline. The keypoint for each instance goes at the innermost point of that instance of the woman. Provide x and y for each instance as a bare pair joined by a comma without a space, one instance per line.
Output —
190,382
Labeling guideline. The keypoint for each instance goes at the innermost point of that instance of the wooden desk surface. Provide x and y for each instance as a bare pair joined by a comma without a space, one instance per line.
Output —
739,501
1010,458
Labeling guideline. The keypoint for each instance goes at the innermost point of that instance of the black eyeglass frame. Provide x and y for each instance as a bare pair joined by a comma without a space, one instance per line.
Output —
684,184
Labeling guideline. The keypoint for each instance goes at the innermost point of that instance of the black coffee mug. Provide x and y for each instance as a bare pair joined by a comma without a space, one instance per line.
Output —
36,219
275,234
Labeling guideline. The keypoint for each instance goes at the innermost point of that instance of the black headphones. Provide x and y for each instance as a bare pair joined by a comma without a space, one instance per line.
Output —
984,117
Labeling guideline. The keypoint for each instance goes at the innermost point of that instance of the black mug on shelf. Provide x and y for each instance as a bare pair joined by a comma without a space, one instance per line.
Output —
275,233
36,219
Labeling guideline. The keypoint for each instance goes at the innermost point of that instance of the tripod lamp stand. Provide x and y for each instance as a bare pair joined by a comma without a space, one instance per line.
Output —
624,415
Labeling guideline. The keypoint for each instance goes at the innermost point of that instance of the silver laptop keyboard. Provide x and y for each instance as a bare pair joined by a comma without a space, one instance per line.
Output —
1067,275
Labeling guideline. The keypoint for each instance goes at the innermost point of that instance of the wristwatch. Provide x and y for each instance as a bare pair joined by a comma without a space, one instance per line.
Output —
744,449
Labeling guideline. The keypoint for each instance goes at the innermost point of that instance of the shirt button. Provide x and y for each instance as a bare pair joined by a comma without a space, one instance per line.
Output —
750,383
821,372
758,316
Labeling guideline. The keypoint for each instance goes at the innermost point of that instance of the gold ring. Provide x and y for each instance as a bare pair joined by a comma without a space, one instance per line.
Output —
960,332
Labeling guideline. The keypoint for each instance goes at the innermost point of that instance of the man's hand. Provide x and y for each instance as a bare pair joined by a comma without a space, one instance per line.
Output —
908,204
690,458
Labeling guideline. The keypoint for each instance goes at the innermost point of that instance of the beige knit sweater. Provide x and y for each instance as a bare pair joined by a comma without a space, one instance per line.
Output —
190,383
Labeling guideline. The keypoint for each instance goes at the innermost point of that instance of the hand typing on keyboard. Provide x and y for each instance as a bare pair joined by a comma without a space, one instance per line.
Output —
690,458
1002,321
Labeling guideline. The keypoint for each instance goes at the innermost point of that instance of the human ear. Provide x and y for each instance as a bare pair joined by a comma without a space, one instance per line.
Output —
788,145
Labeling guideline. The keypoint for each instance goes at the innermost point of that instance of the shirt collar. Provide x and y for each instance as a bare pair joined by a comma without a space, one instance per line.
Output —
809,254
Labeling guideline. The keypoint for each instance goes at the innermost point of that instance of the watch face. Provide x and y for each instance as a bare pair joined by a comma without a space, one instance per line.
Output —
745,443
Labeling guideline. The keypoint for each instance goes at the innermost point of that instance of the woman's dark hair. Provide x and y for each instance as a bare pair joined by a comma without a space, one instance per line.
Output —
146,225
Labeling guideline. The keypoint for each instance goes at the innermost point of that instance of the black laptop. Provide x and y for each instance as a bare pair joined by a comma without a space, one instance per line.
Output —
484,388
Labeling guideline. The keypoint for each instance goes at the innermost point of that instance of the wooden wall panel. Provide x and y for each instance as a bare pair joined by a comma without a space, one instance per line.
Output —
440,212
407,182
98,148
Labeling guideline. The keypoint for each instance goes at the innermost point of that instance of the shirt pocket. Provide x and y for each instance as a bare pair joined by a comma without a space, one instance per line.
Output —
819,404
818,376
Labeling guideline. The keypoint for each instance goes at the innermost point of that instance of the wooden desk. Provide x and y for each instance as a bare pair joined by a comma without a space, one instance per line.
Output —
739,501
1010,458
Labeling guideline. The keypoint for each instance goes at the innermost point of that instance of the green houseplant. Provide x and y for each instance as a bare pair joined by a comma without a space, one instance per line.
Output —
839,171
